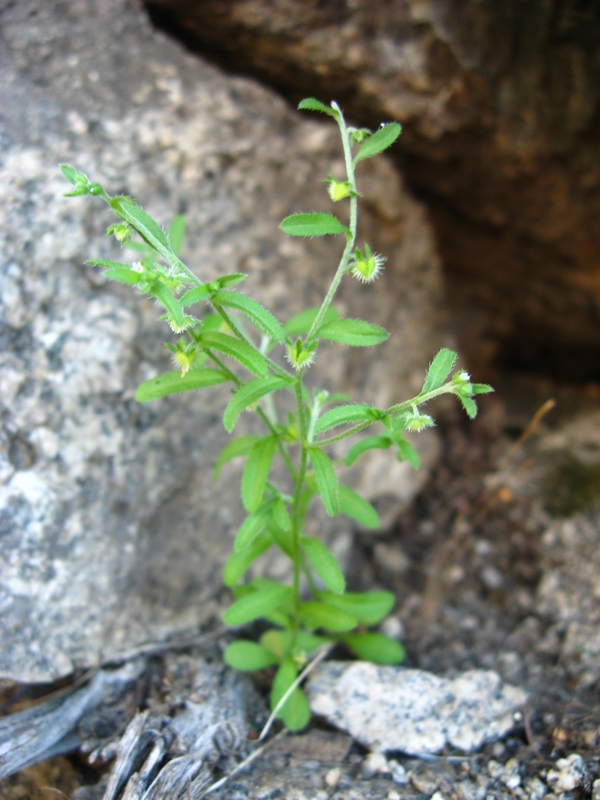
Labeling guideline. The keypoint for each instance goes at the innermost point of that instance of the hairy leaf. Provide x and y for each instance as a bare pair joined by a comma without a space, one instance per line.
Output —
324,564
195,295
344,415
310,104
257,314
173,383
440,368
248,395
148,229
379,141
316,224
353,332
254,524
244,353
327,484
171,303
256,472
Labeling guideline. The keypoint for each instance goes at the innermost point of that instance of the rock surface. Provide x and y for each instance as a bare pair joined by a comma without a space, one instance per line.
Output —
412,711
500,105
112,531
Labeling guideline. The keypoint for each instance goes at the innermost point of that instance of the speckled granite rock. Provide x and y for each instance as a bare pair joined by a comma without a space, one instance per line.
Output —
413,711
111,533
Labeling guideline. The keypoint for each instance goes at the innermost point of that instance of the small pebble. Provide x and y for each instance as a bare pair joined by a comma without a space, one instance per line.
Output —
332,778
399,774
511,777
375,764
567,775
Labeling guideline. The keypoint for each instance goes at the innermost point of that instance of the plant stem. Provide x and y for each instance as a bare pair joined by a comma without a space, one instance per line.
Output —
392,411
296,515
350,240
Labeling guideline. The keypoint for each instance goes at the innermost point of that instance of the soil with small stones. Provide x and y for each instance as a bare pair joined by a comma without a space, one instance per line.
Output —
465,562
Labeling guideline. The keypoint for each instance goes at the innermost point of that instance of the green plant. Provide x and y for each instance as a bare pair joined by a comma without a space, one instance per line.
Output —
315,609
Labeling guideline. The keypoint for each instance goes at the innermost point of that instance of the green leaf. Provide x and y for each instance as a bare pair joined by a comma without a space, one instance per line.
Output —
311,104
280,514
306,643
247,355
274,641
327,484
195,295
317,224
171,303
72,175
344,415
177,233
406,452
469,405
282,539
440,368
257,314
302,323
128,276
257,604
324,564
481,388
375,647
238,562
173,383
256,473
357,508
248,656
238,447
231,280
295,713
368,443
379,141
322,615
353,332
368,608
128,210
250,528
121,274
248,395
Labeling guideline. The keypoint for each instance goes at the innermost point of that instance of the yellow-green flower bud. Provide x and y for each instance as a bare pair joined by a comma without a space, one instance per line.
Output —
338,190
121,231
299,356
368,266
183,361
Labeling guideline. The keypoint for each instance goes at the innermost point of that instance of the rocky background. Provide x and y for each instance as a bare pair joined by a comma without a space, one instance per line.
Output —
112,531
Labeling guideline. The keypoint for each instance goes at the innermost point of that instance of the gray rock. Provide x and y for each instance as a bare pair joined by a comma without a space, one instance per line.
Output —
412,711
112,530
568,774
